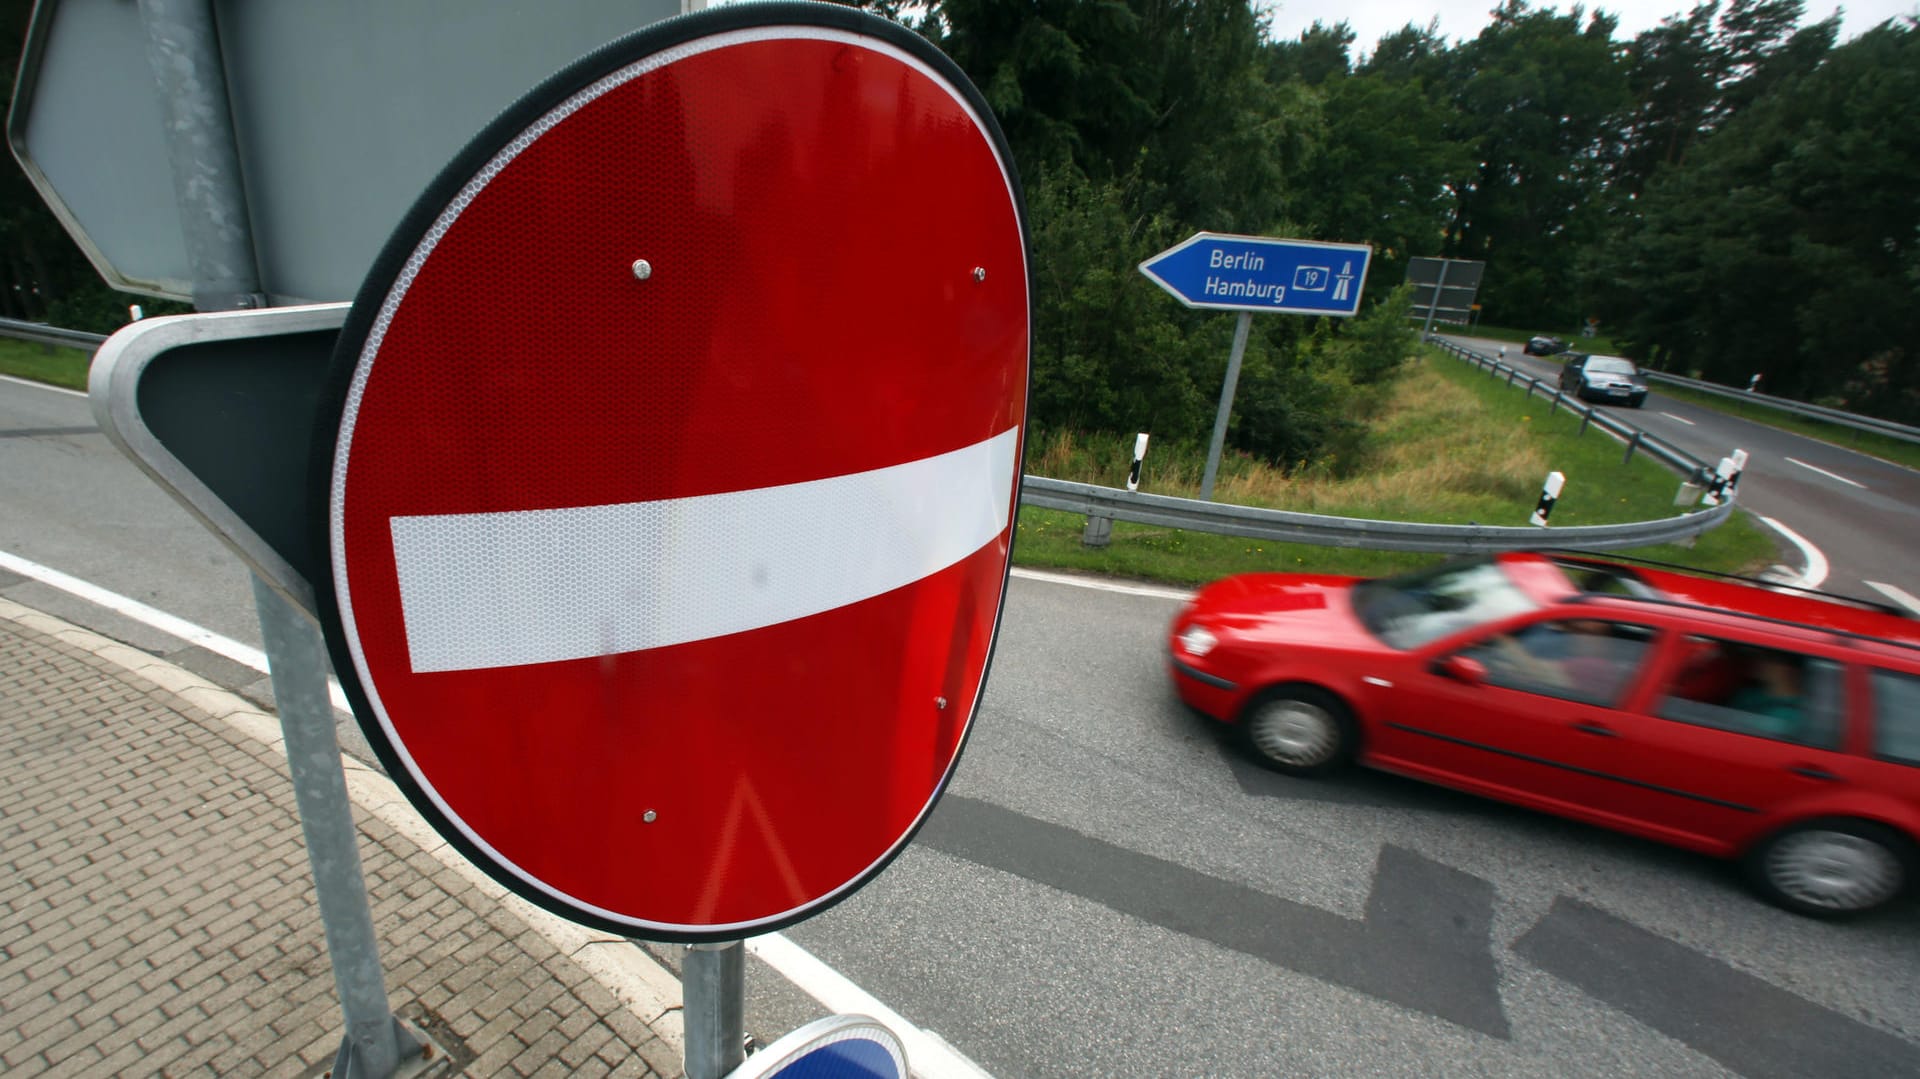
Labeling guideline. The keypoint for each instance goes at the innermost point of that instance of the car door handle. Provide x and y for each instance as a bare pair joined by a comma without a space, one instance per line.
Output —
1595,728
1812,771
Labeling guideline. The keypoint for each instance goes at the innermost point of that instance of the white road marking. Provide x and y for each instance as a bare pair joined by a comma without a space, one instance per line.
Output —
1816,569
149,616
928,1054
1681,419
1824,472
486,590
42,386
932,1057
1103,586
1899,595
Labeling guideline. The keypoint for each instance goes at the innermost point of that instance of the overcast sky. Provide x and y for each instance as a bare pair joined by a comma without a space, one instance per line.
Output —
1460,19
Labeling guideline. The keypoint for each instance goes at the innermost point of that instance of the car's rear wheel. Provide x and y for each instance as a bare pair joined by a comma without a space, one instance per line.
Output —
1832,868
1299,730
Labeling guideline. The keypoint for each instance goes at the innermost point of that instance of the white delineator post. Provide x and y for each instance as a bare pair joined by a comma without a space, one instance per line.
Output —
1139,454
1725,478
1549,494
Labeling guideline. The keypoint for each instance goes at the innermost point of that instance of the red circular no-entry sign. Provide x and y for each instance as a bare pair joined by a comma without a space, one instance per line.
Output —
679,432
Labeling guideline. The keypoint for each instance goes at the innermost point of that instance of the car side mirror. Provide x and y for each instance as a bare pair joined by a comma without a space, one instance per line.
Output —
1462,669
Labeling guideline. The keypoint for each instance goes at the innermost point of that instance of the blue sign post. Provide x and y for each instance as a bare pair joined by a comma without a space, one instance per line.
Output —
1221,272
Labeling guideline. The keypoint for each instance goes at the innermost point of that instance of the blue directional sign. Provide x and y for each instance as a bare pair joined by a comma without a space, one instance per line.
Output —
1260,273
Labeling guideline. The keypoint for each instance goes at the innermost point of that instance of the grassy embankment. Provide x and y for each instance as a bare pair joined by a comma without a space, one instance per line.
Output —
1448,446
44,363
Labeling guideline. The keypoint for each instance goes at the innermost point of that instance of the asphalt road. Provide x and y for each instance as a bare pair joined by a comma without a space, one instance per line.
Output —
1859,511
1110,889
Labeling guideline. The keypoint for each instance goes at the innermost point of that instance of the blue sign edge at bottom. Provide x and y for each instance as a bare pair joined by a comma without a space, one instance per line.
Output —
794,1046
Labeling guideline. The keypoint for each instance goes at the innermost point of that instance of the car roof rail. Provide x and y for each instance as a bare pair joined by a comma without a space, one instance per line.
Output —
1590,558
1687,605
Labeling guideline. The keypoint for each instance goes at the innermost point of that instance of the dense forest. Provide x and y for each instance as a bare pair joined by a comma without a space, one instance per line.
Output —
1729,193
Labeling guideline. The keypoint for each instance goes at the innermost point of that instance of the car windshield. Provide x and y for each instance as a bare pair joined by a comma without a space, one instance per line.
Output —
1610,365
1409,611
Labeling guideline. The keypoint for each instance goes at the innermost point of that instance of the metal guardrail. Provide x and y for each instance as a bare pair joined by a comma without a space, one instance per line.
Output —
43,334
1282,526
1799,408
1638,440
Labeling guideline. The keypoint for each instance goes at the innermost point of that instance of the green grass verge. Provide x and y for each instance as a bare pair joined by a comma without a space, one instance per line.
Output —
1457,447
45,363
1890,449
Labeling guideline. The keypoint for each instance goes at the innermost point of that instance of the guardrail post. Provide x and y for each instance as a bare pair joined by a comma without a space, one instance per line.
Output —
1585,419
1553,403
1099,532
1632,445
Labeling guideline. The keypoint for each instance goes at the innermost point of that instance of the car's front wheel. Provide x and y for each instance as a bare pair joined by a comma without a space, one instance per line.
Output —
1832,868
1299,730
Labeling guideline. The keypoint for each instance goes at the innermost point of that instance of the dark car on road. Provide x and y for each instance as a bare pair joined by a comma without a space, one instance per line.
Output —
1778,729
1604,378
1544,346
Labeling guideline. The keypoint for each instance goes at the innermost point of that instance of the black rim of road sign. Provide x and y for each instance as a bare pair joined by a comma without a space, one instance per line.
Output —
385,273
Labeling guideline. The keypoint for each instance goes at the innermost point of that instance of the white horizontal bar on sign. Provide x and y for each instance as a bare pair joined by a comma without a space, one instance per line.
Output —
483,590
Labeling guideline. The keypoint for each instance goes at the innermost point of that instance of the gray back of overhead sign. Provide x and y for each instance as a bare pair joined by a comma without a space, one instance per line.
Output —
343,111
1444,289
219,410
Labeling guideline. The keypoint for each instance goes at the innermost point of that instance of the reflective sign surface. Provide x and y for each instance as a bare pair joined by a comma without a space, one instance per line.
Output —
679,440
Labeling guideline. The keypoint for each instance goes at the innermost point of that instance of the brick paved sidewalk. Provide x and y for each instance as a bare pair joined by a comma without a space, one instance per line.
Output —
157,913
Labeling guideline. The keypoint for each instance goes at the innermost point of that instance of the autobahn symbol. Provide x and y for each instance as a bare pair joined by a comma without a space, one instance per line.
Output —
666,552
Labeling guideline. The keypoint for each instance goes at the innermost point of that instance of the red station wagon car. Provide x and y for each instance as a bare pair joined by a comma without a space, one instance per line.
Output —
1780,729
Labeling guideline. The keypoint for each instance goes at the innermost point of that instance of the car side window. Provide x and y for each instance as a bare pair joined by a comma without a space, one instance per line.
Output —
1577,659
1749,689
1896,717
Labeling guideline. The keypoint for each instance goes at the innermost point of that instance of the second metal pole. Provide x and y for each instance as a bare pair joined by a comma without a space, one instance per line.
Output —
713,995
1219,443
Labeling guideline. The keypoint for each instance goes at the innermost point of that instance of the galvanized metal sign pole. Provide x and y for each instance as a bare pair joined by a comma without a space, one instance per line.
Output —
1241,327
187,67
